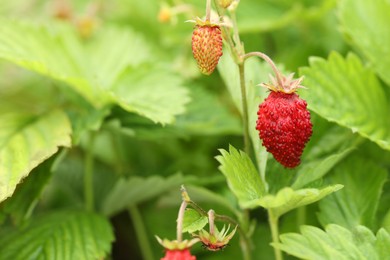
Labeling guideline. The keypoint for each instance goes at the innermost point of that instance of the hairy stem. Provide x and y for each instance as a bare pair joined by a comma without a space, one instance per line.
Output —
211,215
140,231
88,174
274,225
265,57
245,117
180,217
208,10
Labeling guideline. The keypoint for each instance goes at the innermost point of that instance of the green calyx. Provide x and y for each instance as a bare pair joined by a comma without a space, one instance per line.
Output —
176,245
217,240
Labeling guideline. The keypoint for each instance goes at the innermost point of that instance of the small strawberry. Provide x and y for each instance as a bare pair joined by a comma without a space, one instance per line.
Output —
206,45
184,254
284,122
175,250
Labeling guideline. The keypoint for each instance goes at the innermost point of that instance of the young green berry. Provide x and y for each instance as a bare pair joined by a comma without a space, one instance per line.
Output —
284,122
206,45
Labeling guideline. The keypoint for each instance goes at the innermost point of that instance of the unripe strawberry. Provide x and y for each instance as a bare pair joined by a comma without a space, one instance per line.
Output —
207,46
284,123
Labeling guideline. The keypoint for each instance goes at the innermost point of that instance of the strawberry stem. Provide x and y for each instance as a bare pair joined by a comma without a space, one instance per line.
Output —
245,117
180,218
211,215
141,233
208,10
269,61
274,225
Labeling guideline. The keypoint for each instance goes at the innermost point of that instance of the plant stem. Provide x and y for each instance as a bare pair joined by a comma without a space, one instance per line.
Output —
208,10
180,217
211,215
88,174
274,225
301,216
245,118
140,231
236,36
269,61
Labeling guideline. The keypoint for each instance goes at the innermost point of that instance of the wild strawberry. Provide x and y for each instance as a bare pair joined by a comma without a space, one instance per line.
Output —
284,122
175,250
206,45
178,255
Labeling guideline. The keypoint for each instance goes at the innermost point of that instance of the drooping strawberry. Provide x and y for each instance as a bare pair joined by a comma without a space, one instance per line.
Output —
184,254
206,45
284,122
177,250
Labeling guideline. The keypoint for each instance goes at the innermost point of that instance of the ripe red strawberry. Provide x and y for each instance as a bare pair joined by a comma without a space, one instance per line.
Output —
284,122
177,254
177,250
206,45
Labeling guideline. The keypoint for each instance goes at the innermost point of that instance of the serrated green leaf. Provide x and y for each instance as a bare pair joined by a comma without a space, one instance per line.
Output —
317,169
65,235
287,199
366,24
27,193
105,70
136,190
382,244
193,221
26,141
153,92
242,176
342,90
356,204
207,115
335,242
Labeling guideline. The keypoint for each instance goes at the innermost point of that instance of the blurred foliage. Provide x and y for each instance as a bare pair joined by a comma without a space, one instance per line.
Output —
114,82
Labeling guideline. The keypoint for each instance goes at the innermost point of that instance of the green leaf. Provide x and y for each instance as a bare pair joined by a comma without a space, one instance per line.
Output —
356,204
27,193
153,92
287,199
241,175
105,70
344,91
26,141
382,244
65,235
193,221
263,16
336,242
366,24
318,168
135,190
207,115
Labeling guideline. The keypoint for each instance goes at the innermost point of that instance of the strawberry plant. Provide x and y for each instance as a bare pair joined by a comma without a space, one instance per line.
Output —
215,129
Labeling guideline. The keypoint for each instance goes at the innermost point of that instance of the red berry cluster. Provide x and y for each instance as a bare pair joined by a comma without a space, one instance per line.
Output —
284,126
